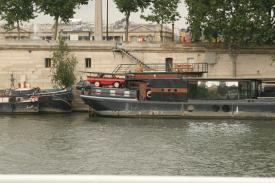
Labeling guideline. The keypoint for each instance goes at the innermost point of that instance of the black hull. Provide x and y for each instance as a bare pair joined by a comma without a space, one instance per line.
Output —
55,103
119,107
19,108
25,101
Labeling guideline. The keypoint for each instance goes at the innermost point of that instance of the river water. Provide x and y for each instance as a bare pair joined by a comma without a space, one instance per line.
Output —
75,144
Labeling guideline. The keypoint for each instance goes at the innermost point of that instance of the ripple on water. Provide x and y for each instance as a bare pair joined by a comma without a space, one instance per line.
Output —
75,144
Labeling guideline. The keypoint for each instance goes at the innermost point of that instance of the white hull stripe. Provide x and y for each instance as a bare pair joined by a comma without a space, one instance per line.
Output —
107,98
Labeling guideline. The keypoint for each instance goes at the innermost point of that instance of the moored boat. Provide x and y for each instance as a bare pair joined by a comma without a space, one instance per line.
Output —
18,101
175,95
58,100
35,100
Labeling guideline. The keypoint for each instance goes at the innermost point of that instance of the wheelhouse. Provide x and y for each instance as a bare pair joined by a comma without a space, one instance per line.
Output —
224,89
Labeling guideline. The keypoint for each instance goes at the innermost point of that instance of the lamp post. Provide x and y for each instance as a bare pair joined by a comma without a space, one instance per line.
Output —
107,21
173,31
173,28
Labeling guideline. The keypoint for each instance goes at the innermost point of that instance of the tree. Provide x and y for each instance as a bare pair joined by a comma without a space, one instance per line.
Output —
237,22
59,9
130,6
63,65
163,12
264,23
14,12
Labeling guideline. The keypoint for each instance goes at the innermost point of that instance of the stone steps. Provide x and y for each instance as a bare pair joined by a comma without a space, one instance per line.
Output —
78,104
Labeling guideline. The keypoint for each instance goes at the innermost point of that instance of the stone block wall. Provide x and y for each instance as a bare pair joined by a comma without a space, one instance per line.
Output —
26,60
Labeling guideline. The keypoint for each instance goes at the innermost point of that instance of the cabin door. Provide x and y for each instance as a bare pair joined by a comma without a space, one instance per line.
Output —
142,91
168,64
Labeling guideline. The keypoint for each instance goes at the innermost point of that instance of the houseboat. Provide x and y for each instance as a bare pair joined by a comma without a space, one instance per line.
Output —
18,101
58,100
175,94
35,100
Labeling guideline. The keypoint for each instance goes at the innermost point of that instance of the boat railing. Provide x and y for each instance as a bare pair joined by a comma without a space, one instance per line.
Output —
128,179
180,67
2,93
113,92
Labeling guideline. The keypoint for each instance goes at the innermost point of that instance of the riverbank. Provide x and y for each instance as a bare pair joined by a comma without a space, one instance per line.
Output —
78,104
27,59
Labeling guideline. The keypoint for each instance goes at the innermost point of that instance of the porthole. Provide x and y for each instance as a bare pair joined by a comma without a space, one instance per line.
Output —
225,108
215,108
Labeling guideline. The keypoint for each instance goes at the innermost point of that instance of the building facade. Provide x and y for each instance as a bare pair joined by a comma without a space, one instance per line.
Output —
83,31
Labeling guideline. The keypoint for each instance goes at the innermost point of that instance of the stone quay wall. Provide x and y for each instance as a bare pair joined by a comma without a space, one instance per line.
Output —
26,59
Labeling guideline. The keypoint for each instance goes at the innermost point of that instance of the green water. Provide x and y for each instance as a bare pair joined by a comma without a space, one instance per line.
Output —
75,144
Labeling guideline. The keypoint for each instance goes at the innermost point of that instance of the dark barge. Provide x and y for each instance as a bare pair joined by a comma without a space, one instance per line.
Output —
55,100
177,95
35,100
18,101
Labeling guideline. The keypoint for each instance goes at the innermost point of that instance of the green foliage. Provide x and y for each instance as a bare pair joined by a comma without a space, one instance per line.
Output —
237,22
63,65
163,12
59,9
130,6
14,12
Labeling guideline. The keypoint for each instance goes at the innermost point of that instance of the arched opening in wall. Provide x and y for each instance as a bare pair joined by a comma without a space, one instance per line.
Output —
191,60
168,64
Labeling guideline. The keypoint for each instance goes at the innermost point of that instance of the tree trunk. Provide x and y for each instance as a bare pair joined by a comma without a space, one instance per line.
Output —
56,27
127,27
234,56
161,32
173,31
18,30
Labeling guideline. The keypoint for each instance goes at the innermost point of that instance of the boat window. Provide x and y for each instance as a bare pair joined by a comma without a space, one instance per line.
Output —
232,90
260,88
267,89
214,90
244,89
253,89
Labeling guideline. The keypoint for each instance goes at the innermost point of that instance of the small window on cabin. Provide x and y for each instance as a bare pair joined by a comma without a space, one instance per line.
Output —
88,62
48,62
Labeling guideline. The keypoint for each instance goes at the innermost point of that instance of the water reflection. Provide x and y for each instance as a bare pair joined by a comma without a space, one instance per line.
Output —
75,144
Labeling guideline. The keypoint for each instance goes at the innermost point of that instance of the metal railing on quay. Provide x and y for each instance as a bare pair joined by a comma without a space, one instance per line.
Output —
126,179
183,67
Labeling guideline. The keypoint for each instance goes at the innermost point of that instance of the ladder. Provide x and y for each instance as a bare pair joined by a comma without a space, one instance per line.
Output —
123,68
133,58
